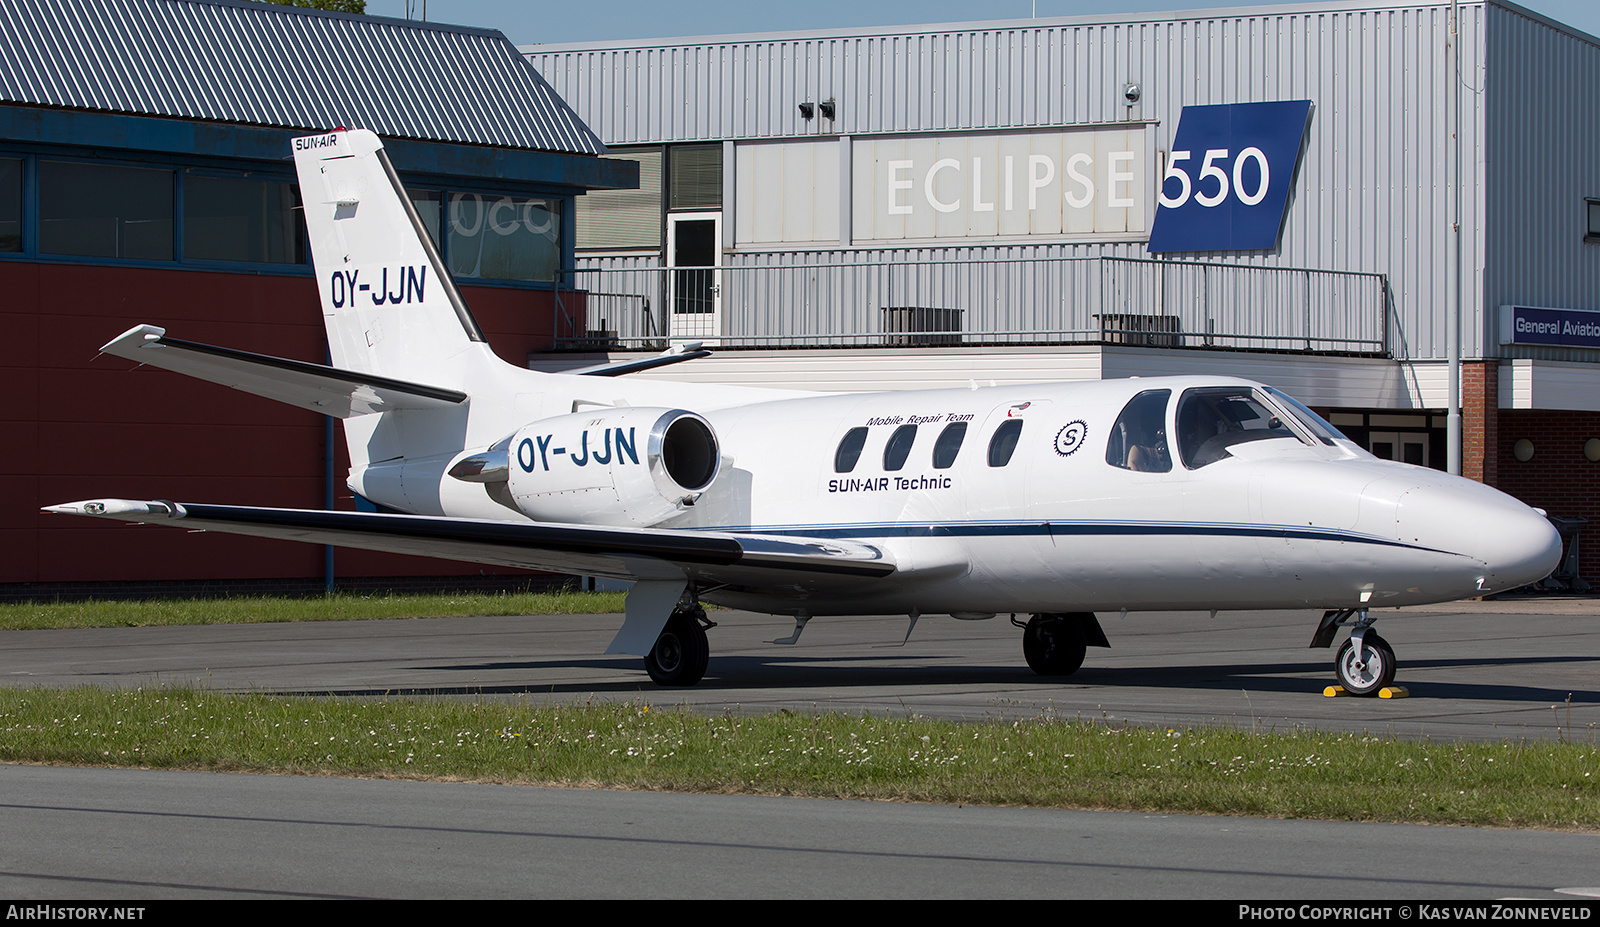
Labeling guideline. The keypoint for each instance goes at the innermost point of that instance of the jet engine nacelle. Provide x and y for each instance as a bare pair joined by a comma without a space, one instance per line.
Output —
625,467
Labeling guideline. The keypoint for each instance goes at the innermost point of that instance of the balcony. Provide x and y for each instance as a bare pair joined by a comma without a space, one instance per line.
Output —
634,304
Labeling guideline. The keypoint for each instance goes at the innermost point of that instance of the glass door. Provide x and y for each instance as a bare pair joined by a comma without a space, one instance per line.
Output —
1399,445
694,287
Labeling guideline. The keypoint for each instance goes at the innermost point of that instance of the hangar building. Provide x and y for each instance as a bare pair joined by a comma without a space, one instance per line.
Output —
145,177
1336,198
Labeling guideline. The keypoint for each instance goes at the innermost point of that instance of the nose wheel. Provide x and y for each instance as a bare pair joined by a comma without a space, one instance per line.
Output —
1365,665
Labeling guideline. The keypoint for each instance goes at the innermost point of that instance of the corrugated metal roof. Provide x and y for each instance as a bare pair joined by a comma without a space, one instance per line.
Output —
259,64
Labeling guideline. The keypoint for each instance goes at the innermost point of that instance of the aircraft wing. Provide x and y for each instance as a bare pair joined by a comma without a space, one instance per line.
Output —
328,390
618,553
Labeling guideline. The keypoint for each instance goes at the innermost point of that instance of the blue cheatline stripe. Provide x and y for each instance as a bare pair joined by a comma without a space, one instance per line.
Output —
1076,528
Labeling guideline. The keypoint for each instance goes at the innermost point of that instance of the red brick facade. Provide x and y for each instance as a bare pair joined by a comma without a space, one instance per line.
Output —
1480,404
81,426
1558,478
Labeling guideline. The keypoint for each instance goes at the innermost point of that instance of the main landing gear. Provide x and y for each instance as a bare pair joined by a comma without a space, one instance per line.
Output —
1054,644
1365,664
681,653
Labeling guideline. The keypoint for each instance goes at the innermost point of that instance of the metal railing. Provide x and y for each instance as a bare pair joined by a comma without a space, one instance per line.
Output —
635,303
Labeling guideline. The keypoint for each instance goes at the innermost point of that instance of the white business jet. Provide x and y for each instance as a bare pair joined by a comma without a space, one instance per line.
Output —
1054,501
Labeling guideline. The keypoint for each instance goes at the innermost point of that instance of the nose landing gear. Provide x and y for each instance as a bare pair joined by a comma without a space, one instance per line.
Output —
1365,664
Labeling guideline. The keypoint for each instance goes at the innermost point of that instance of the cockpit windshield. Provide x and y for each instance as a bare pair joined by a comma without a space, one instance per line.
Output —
1213,419
1325,430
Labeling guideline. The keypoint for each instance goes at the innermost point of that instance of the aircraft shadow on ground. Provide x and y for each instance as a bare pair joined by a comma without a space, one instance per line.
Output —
792,671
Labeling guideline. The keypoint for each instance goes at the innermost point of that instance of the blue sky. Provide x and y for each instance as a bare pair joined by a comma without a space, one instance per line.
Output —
526,22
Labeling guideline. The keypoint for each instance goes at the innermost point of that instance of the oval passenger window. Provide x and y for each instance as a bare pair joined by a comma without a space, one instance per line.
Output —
899,447
1004,442
949,445
844,459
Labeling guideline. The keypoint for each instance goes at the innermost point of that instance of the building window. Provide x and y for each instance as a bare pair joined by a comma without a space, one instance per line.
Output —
104,210
696,181
242,219
429,207
10,204
504,237
1591,211
622,220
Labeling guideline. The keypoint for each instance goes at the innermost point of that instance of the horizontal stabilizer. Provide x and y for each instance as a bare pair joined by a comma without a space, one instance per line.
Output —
620,553
328,390
676,354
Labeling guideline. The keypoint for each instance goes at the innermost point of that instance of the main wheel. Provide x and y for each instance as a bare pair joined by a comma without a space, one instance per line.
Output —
1369,671
1053,645
681,653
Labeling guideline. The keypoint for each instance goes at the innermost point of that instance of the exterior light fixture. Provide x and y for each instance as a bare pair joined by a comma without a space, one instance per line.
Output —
807,111
1591,449
1131,93
827,108
1522,450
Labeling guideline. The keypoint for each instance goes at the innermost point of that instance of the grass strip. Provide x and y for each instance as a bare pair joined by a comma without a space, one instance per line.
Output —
1044,762
338,607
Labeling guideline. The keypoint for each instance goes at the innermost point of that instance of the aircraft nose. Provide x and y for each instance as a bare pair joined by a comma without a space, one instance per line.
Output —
1524,548
1515,544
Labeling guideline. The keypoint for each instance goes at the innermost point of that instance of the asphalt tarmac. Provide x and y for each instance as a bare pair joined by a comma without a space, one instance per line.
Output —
1476,670
1479,671
138,834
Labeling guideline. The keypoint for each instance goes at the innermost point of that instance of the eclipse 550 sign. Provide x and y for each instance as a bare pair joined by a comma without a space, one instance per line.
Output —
1226,185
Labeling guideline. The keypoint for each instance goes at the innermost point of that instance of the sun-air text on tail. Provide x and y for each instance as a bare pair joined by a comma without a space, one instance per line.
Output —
1050,502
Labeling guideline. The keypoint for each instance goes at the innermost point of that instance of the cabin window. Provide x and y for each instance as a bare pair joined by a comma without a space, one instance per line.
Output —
1138,440
844,459
899,447
1004,442
949,445
1213,419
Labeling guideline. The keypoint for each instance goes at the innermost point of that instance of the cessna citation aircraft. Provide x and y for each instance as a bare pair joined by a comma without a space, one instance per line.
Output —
1054,501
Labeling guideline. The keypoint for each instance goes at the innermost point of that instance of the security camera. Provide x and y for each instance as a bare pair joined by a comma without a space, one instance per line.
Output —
1130,92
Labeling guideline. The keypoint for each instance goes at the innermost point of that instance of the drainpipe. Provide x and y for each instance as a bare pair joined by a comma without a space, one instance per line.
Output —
1453,310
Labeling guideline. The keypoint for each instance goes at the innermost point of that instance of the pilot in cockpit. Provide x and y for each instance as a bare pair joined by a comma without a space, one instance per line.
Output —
1147,449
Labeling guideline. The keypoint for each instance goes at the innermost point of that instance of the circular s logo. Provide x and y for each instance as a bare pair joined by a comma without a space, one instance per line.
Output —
1070,438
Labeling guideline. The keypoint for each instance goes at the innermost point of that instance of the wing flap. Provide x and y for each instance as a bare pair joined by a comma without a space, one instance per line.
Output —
620,553
320,388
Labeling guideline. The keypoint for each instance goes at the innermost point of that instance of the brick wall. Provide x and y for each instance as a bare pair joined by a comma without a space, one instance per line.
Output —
80,426
1480,421
1558,479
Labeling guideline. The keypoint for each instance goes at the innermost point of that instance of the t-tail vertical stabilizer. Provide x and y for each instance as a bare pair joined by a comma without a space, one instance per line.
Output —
389,305
392,310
